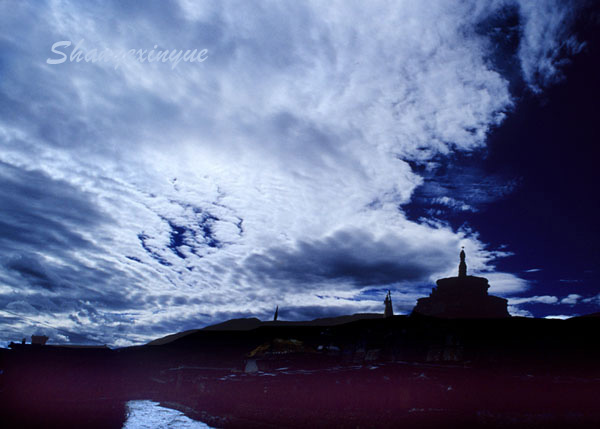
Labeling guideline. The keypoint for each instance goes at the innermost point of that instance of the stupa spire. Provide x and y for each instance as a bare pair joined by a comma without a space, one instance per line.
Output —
389,309
462,267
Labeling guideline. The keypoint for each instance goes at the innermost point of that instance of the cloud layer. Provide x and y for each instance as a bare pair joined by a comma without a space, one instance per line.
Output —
145,199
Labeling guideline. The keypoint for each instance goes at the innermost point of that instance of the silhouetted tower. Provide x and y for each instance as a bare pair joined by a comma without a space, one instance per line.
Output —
462,267
276,313
389,310
462,297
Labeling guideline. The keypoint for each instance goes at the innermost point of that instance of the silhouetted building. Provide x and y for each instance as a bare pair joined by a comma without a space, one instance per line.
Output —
39,339
462,297
389,310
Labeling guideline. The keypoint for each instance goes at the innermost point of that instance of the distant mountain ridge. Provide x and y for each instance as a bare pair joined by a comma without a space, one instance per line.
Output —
247,324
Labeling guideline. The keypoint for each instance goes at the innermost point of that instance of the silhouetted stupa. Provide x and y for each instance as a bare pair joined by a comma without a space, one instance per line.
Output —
389,309
462,297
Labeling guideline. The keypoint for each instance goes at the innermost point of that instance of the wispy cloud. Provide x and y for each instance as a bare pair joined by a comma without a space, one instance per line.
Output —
542,57
544,299
571,299
144,199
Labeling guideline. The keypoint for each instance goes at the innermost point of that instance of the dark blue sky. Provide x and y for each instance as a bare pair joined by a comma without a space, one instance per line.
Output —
550,144
548,147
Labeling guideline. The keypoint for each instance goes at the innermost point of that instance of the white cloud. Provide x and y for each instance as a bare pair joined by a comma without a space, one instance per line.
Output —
546,40
544,299
571,299
453,203
592,299
516,311
164,184
504,284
